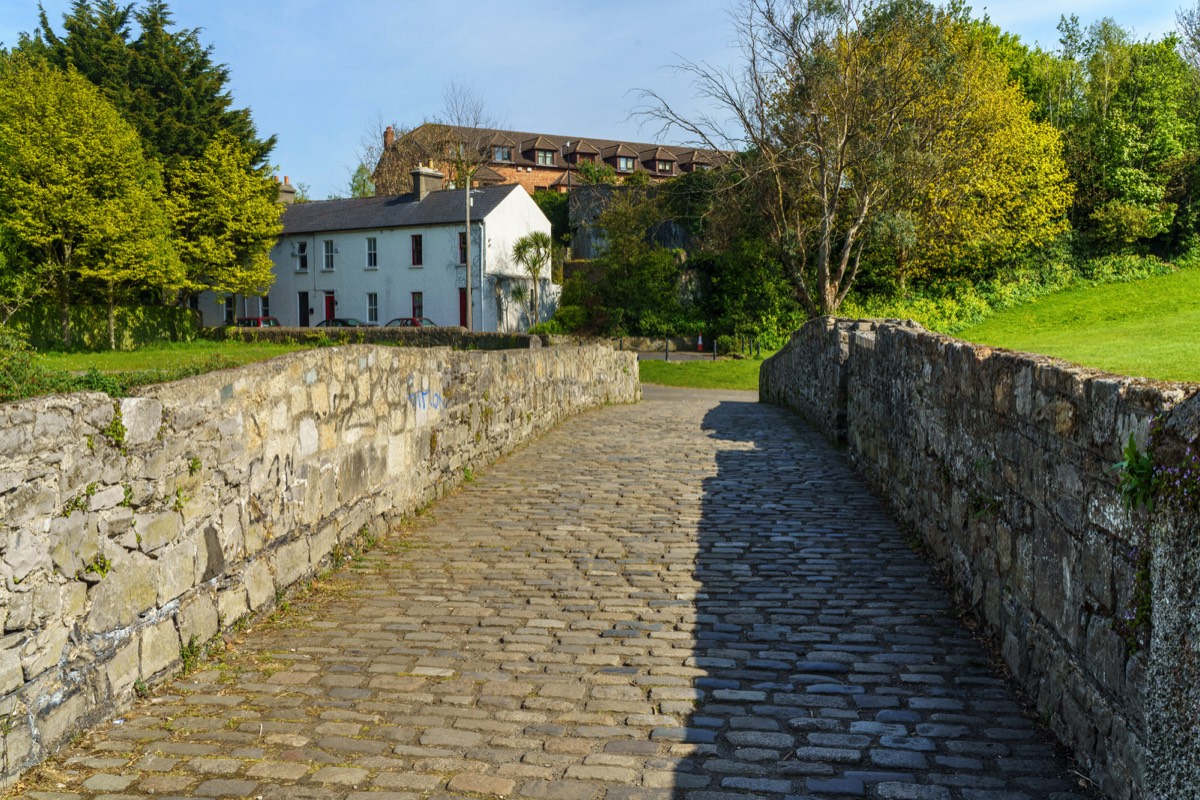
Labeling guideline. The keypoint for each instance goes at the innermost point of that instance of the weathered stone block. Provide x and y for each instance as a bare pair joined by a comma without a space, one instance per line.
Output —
154,531
119,597
26,553
160,647
123,667
11,673
174,571
142,417
44,650
260,586
198,617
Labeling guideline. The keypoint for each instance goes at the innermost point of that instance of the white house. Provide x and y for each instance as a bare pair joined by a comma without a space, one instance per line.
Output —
378,258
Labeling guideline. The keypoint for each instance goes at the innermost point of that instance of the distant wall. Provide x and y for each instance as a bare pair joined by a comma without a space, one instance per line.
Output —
1003,463
129,527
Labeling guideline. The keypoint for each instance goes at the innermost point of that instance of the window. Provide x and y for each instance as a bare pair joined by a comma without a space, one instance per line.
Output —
264,306
230,310
545,158
373,307
417,255
329,254
418,304
501,153
194,302
665,167
625,164
302,256
372,254
462,247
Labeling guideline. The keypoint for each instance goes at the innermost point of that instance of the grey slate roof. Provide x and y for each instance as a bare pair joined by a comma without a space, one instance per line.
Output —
400,211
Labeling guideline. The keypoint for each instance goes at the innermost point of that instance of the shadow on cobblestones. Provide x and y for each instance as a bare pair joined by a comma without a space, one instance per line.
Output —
829,662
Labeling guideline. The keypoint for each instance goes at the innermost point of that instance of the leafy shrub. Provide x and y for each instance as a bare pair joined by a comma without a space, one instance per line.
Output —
549,326
570,318
135,326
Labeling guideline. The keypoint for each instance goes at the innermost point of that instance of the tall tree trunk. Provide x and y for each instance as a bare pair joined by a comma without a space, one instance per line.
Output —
112,332
64,309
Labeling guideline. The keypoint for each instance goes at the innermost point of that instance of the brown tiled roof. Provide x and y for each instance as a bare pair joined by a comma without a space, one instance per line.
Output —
581,146
607,148
656,154
619,149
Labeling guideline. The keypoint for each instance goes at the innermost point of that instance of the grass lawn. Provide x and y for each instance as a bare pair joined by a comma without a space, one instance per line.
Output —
703,374
1148,328
181,356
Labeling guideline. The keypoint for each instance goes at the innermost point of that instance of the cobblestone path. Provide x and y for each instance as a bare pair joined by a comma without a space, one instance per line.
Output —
690,598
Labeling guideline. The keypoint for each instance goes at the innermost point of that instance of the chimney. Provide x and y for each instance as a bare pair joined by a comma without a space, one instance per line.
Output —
426,180
389,136
287,192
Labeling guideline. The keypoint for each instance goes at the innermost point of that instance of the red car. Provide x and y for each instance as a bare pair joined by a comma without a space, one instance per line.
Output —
411,322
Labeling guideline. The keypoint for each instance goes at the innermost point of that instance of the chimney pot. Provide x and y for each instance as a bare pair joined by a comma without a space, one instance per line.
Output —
389,136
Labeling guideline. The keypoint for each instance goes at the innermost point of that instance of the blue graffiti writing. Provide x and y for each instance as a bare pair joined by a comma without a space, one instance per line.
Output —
427,399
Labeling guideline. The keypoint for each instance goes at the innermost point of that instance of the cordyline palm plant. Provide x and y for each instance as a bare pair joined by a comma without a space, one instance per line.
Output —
534,252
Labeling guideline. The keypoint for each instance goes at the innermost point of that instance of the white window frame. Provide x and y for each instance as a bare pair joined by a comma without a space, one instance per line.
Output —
545,158
328,251
372,253
302,256
264,305
625,164
502,154
664,167
230,309
373,308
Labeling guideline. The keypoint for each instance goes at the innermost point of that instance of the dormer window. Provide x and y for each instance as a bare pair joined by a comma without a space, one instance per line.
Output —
625,164
501,153
545,158
664,167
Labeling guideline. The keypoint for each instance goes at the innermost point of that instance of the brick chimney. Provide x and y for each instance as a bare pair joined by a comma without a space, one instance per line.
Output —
426,180
287,192
389,136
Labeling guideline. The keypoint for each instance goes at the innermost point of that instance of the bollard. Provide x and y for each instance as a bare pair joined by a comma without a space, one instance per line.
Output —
666,349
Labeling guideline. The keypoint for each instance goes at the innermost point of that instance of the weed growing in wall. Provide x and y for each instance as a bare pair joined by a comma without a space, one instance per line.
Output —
1158,483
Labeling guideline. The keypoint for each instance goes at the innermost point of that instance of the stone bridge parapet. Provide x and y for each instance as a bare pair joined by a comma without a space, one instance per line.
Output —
133,530
1004,464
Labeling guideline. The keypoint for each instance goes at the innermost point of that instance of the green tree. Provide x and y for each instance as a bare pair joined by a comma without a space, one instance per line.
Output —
226,220
361,184
164,81
534,253
556,207
838,106
81,202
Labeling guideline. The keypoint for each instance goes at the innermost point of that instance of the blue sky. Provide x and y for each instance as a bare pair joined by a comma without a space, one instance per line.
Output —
318,73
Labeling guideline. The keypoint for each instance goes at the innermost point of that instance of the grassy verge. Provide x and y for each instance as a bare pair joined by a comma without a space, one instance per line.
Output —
1146,328
183,355
720,374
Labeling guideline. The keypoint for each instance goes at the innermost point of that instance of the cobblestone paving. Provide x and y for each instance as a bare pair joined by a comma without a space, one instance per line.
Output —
690,598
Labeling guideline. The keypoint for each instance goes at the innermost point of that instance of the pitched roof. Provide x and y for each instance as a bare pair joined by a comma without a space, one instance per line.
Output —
609,148
399,211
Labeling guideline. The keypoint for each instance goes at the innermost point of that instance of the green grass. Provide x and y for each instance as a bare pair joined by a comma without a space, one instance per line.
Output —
1148,328
706,374
180,356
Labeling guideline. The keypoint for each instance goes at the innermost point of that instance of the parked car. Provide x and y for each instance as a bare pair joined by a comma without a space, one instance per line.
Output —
257,322
342,322
411,322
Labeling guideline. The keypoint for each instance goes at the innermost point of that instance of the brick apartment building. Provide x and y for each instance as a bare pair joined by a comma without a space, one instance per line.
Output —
536,161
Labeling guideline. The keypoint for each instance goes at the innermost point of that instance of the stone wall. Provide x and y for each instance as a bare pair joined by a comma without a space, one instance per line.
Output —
1003,463
133,528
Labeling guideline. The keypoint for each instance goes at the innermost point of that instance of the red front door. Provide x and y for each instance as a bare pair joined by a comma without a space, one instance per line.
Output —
329,305
462,307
